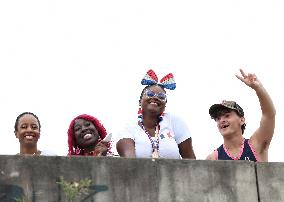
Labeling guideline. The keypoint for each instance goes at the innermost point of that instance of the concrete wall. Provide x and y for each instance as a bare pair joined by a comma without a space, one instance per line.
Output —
271,181
29,178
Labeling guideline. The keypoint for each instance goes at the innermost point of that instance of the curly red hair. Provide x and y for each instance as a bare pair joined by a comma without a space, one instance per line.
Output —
73,149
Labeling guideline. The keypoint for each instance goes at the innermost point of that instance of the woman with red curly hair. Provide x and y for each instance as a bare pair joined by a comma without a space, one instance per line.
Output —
85,137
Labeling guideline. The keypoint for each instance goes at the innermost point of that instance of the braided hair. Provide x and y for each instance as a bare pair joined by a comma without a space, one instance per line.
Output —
73,148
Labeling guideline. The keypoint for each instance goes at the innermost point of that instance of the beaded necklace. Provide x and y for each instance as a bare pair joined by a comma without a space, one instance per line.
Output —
155,142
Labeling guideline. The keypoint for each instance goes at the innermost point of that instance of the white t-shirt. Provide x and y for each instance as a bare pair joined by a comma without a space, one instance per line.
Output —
43,153
173,131
47,153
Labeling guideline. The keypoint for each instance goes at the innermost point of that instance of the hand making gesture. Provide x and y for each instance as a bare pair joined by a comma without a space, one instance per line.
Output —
261,138
249,79
101,149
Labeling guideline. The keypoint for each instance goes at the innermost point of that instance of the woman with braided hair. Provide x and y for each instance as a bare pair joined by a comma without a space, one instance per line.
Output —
155,134
86,137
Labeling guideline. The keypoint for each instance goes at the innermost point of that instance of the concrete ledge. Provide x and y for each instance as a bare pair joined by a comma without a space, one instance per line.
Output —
207,181
35,178
270,177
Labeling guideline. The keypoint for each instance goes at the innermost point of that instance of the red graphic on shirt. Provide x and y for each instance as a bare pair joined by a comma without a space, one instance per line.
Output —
169,135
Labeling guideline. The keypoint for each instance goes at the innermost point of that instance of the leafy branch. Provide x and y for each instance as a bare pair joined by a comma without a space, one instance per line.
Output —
74,189
25,199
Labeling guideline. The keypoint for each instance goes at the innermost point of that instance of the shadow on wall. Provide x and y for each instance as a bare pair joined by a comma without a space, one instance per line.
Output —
9,193
94,190
13,193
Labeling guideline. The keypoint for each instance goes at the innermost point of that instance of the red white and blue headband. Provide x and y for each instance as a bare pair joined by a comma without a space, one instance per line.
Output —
151,78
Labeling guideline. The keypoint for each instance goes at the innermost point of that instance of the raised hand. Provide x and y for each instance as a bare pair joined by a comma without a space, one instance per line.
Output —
249,79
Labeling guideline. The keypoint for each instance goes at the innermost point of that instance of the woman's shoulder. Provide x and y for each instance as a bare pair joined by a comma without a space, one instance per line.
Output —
127,130
47,153
130,124
172,116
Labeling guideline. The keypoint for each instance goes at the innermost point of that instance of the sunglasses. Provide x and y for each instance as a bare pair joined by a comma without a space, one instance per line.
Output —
161,96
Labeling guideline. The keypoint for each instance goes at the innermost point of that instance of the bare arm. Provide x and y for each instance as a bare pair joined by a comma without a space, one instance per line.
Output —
263,135
211,156
186,150
126,148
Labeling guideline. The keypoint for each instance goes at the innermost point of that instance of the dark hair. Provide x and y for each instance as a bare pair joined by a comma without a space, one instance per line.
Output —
243,128
226,110
146,87
20,116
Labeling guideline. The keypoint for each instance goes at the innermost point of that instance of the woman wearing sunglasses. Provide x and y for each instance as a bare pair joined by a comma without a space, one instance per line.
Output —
155,134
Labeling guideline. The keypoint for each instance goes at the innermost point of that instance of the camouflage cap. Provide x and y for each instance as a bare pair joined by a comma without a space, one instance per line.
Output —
214,109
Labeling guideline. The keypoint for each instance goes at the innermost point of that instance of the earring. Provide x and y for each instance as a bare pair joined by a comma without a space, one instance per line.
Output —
77,150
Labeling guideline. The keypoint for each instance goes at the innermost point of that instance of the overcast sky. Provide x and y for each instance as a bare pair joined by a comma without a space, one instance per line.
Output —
59,59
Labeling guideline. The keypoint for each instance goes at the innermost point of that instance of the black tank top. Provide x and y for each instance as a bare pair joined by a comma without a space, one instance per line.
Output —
247,153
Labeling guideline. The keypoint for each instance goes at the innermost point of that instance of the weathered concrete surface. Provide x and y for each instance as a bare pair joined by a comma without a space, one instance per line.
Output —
33,177
123,180
113,179
207,181
270,181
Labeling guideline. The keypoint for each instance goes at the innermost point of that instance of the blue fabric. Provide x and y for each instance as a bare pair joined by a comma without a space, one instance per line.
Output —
246,155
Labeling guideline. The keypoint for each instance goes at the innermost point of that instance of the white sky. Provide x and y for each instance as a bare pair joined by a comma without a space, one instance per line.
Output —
59,59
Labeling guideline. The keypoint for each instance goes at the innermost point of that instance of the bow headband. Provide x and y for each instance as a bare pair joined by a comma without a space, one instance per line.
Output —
167,81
